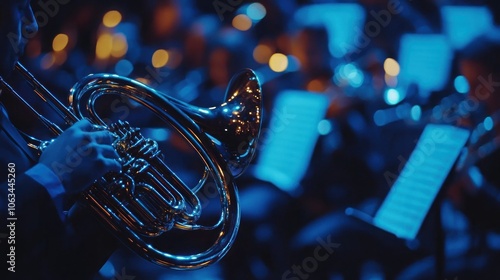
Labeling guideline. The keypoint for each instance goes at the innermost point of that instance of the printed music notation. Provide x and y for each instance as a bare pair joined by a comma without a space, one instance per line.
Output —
288,143
412,194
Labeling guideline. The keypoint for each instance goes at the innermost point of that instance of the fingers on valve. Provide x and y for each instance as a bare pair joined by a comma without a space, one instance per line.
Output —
111,158
109,152
103,137
112,164
84,125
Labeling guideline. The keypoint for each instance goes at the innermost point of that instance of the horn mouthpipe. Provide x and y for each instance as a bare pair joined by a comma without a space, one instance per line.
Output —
46,95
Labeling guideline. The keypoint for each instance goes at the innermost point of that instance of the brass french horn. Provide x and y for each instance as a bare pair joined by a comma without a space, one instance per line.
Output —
147,199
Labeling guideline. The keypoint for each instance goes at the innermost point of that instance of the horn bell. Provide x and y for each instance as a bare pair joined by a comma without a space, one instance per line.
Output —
235,125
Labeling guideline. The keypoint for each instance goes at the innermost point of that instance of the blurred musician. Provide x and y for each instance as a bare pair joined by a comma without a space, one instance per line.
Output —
474,190
481,67
43,240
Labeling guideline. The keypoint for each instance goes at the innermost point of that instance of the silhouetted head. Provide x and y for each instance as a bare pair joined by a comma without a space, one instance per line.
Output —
17,23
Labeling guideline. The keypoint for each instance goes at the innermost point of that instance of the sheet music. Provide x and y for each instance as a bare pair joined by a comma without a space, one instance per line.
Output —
425,59
288,144
410,198
462,24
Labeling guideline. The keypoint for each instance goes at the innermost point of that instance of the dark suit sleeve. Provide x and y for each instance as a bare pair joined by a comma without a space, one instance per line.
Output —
45,246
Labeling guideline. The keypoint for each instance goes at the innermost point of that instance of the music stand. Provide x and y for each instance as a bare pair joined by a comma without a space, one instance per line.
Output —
290,139
414,191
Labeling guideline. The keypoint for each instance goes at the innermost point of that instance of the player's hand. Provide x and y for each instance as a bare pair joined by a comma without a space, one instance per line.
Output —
80,155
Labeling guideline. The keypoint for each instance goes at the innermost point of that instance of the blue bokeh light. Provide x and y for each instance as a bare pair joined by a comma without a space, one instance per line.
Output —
416,113
324,127
256,11
392,96
461,84
124,67
488,123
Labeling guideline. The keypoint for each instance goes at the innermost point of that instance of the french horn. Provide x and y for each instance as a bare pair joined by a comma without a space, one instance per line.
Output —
146,198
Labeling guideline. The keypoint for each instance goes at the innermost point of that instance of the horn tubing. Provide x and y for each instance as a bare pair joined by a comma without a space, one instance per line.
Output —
46,95
217,154
56,130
